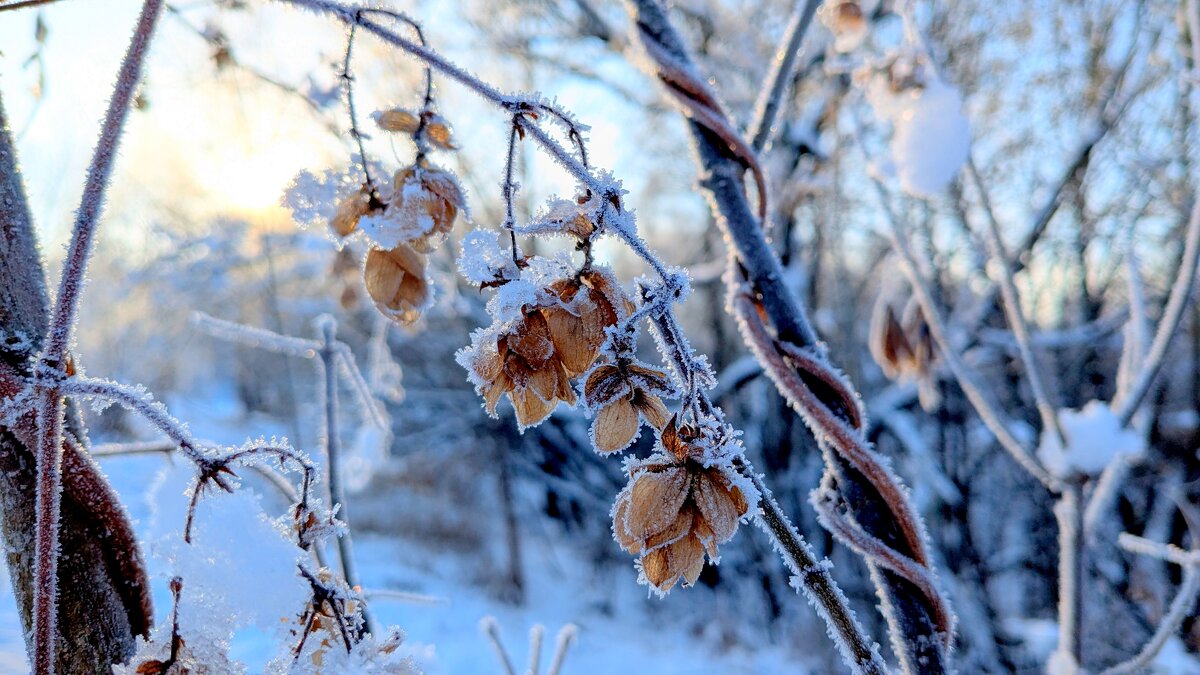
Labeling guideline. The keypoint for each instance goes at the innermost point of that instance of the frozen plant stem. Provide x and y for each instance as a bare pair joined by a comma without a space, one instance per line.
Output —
1070,567
1177,301
566,636
771,98
817,583
492,630
328,353
1002,269
53,361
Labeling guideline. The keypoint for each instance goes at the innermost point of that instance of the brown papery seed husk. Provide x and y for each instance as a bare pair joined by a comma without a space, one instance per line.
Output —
716,506
397,120
655,501
651,407
395,280
615,426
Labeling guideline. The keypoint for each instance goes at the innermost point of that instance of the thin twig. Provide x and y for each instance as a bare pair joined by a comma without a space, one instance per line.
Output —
770,100
1177,302
1181,605
22,4
1012,310
54,357
327,330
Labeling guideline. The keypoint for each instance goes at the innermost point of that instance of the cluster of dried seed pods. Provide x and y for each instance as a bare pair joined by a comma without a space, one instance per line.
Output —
677,507
405,220
555,339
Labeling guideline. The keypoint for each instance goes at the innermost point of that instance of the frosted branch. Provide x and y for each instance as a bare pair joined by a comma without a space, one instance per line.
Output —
258,338
48,455
1002,270
1181,605
1168,325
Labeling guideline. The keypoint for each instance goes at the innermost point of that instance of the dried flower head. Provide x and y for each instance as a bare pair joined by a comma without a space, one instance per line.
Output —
675,508
424,203
901,349
904,349
586,306
349,210
623,394
395,280
525,364
554,339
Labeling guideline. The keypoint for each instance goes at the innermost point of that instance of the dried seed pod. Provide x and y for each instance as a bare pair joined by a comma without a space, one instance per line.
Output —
424,204
889,344
396,282
623,394
397,120
674,509
437,132
525,365
904,349
349,211
588,305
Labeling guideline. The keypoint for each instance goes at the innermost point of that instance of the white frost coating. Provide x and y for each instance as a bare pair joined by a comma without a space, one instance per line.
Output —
1094,439
240,569
312,198
930,135
484,259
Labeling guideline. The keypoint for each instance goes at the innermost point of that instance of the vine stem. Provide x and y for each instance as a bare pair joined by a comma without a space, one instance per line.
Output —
53,360
816,581
868,498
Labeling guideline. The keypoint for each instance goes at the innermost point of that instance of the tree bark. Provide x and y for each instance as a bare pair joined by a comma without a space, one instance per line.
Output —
104,600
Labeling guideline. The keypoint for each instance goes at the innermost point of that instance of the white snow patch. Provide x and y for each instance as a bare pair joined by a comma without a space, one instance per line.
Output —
931,136
1095,438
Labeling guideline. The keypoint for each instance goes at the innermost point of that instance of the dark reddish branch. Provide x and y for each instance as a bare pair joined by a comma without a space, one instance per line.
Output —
860,500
